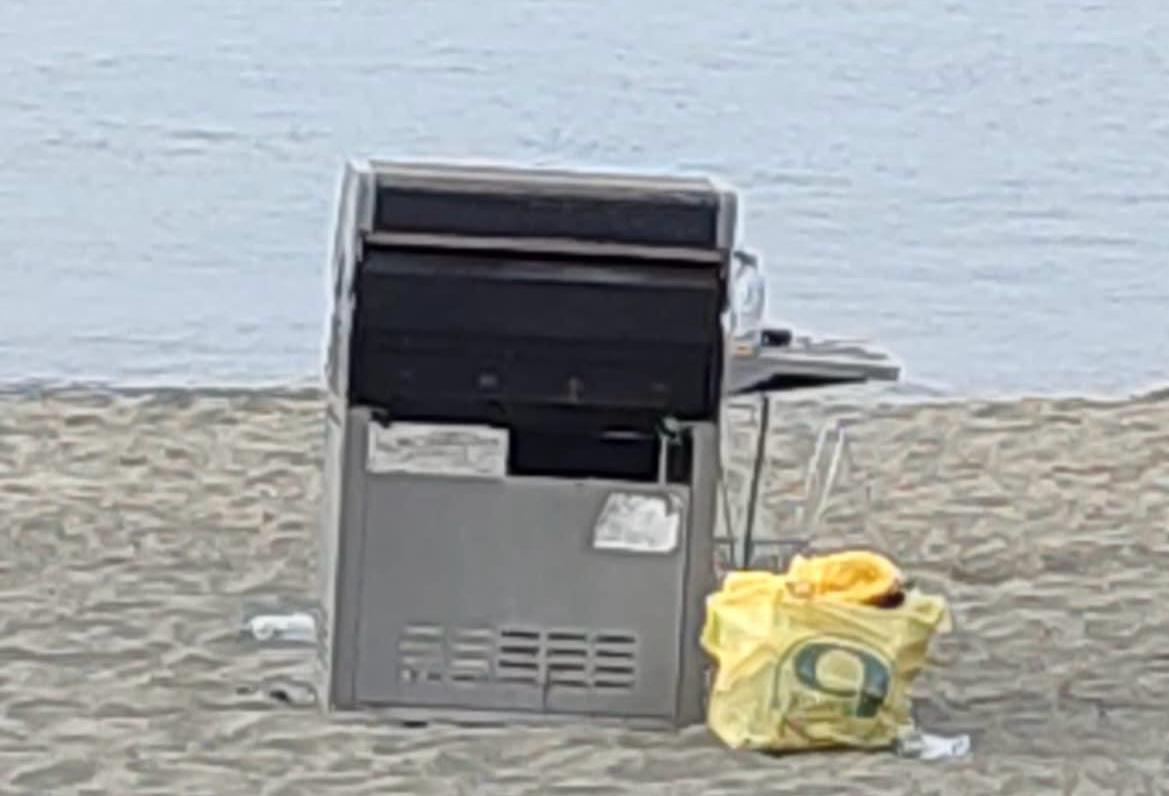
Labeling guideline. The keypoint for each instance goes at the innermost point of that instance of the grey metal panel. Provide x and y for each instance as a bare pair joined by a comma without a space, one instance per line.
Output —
512,555
700,579
729,218
469,554
328,550
366,198
330,513
348,561
354,214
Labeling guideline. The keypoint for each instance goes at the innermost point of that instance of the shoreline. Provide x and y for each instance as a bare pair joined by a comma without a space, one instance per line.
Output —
871,395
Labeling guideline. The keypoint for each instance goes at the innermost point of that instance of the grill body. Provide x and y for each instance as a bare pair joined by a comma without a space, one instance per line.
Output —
525,372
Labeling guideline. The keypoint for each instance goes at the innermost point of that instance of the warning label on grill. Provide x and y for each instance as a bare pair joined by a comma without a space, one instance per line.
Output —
450,450
639,523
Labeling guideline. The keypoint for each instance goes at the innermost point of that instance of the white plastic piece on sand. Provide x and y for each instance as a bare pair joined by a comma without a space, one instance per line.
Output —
298,628
918,745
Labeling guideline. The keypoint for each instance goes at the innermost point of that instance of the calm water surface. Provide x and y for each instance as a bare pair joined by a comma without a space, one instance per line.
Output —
980,185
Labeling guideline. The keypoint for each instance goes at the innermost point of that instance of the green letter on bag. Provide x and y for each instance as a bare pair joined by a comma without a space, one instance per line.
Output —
874,684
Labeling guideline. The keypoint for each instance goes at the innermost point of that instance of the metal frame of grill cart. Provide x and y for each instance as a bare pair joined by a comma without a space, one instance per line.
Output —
525,374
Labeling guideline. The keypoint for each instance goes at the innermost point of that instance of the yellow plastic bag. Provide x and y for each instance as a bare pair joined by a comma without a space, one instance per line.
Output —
854,576
804,660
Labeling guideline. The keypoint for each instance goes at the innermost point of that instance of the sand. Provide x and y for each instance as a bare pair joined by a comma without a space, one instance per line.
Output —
139,528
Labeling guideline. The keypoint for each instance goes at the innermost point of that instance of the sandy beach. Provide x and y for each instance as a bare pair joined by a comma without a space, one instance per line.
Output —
138,530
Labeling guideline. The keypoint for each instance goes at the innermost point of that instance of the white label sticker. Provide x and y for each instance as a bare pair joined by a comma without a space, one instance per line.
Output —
639,523
449,450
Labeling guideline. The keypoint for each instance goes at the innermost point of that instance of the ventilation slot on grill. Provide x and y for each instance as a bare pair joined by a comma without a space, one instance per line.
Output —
567,659
421,654
614,662
527,656
518,660
470,654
